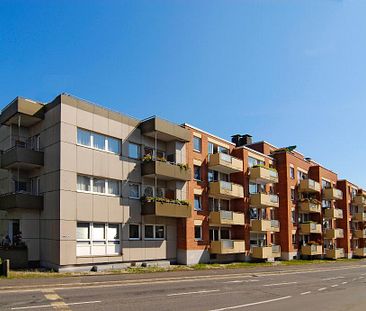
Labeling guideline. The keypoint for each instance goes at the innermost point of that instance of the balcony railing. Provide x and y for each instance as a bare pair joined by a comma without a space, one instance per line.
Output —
359,217
359,234
333,213
308,207
263,175
165,170
334,233
334,253
311,250
225,163
223,247
309,228
332,194
359,200
226,218
165,208
359,252
261,200
21,199
226,190
309,185
264,225
22,155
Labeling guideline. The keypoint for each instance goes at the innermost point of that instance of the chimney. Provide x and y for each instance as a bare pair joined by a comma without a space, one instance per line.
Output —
236,139
246,139
308,159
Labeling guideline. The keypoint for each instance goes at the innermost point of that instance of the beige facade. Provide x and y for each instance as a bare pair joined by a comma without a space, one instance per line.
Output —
53,231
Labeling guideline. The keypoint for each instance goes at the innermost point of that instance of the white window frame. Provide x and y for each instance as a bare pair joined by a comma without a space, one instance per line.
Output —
154,238
200,237
106,137
139,191
139,232
194,202
139,151
200,139
106,181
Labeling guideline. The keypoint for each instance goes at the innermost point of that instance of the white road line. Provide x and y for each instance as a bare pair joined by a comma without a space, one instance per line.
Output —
305,293
335,278
50,306
344,282
363,274
335,285
252,304
361,277
241,281
278,284
191,293
321,289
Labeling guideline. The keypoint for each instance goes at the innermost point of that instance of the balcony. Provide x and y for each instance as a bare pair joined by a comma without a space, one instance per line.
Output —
359,217
359,234
223,247
309,185
333,213
226,218
263,200
333,233
22,157
310,228
263,175
226,190
359,252
308,207
21,200
165,170
264,225
311,250
359,200
335,253
22,112
265,252
164,130
225,163
332,194
165,209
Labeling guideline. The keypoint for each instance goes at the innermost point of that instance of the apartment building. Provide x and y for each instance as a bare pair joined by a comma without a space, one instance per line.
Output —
88,187
85,185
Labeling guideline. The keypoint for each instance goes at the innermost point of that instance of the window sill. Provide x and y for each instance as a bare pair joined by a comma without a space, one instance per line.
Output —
98,193
134,198
96,149
198,151
106,255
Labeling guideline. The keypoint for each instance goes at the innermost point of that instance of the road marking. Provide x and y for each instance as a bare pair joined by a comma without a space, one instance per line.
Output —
191,293
107,284
321,289
305,293
335,278
361,277
363,274
278,284
252,304
52,297
51,305
335,285
241,281
344,282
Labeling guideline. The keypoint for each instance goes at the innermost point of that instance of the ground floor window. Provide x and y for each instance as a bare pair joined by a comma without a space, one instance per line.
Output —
97,239
198,233
154,232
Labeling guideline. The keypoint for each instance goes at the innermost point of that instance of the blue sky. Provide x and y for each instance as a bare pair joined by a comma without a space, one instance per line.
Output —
288,72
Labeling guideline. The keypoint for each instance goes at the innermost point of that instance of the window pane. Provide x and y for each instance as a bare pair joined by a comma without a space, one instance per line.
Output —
98,185
113,187
113,145
82,231
197,143
197,232
134,231
159,232
253,188
83,137
197,202
133,151
149,232
113,232
134,191
83,183
98,232
197,172
98,141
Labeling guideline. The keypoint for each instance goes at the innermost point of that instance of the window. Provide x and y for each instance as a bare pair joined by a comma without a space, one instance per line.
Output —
134,191
254,188
292,173
292,194
84,137
133,151
198,233
83,183
293,216
253,161
325,184
98,185
223,150
294,239
134,232
197,143
97,239
197,172
197,202
98,141
154,232
210,147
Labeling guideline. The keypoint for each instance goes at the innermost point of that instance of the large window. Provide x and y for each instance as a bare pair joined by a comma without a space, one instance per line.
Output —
154,232
134,191
253,161
97,239
197,172
197,202
134,151
134,232
98,141
98,185
197,144
198,233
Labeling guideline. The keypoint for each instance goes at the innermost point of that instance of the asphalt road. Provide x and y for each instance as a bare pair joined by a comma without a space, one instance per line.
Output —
333,286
